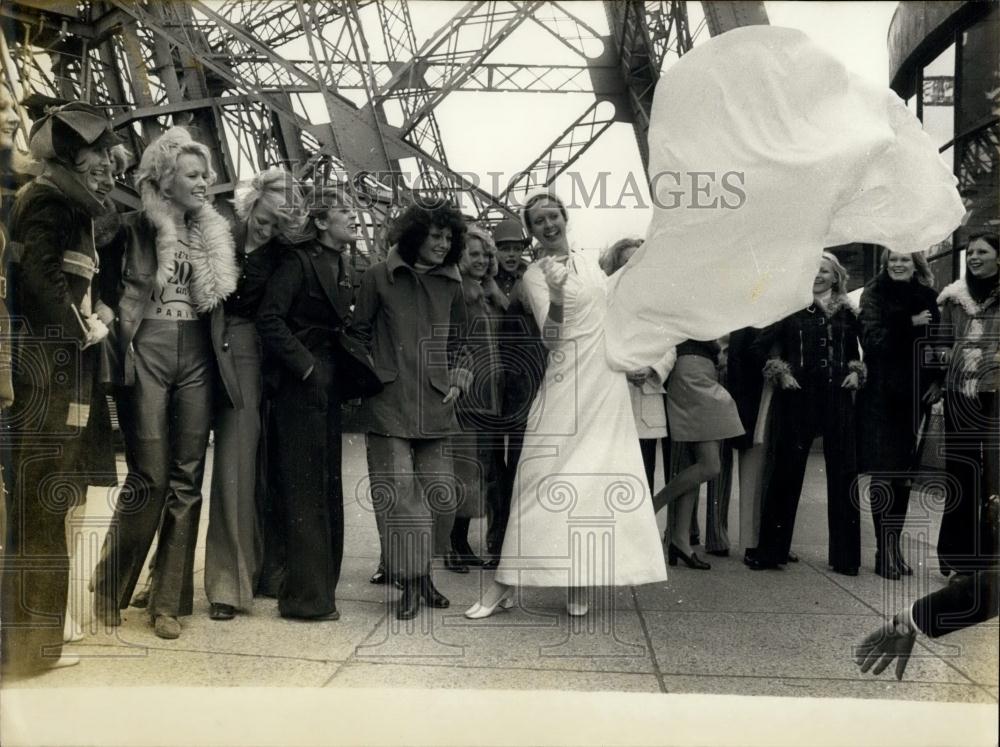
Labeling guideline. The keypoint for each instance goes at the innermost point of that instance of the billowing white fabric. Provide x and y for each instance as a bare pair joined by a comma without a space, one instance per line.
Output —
822,158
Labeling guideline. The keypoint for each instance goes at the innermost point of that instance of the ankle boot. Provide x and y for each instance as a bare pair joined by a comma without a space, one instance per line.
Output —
432,597
409,602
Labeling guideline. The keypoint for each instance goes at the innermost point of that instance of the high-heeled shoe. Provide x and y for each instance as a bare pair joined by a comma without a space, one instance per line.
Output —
896,557
691,561
884,566
453,562
479,611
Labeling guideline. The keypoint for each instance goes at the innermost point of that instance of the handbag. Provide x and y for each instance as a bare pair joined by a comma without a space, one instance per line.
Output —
355,369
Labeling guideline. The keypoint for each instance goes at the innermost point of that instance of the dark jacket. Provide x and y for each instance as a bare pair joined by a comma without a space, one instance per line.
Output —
413,324
745,380
56,271
901,364
305,306
131,264
819,347
523,357
480,408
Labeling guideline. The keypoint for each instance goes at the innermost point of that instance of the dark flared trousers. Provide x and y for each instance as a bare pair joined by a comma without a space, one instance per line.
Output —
309,485
166,423
802,416
500,493
972,459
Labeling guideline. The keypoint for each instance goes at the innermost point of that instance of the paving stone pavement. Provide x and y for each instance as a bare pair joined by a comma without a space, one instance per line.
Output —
727,631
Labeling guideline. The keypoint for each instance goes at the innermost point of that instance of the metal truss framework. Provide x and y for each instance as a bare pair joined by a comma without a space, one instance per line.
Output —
314,85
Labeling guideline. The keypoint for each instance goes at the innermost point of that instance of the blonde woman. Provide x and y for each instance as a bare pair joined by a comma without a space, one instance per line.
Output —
178,267
270,216
815,362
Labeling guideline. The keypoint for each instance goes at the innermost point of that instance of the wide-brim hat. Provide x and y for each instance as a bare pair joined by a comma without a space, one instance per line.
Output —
67,128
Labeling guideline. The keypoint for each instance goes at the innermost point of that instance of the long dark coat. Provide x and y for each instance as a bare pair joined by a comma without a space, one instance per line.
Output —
59,426
900,366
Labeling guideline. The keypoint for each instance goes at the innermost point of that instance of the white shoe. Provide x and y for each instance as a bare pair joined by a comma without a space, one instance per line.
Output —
66,660
72,633
478,611
576,604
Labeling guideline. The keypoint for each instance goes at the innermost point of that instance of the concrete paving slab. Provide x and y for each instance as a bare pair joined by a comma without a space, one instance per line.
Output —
261,633
881,687
519,638
750,591
183,668
772,645
362,674
884,594
974,651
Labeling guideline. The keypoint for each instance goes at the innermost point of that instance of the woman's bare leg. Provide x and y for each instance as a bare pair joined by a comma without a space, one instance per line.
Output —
706,467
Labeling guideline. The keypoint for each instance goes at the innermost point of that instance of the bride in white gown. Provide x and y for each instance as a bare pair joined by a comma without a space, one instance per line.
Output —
823,158
581,515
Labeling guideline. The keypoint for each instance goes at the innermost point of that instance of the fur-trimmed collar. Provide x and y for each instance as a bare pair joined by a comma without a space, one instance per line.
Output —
958,292
212,252
837,303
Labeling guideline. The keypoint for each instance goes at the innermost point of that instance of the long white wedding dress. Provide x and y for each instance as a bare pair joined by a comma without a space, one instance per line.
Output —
581,513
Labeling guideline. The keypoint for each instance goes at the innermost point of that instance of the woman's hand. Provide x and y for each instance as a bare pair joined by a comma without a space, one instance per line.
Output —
555,275
639,376
453,393
852,381
933,394
922,319
96,331
105,314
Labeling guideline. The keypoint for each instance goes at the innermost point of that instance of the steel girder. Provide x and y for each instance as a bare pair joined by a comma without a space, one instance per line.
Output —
246,67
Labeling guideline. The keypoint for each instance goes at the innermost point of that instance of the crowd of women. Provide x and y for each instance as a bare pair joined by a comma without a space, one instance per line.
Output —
469,351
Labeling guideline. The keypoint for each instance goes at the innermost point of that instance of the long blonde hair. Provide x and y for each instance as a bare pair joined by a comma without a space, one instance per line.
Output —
839,287
922,268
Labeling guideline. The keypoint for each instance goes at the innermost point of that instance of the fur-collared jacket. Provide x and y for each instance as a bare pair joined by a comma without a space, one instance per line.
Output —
902,362
819,345
141,260
973,331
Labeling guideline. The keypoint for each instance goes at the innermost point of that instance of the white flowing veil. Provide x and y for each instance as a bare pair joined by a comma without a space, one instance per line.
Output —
764,149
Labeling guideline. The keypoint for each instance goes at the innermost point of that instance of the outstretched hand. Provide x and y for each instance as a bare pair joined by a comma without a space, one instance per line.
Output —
889,642
452,395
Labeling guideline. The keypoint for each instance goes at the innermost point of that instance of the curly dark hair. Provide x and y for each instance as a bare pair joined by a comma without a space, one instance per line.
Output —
411,228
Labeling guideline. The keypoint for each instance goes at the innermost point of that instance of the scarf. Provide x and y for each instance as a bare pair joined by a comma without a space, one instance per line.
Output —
66,182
